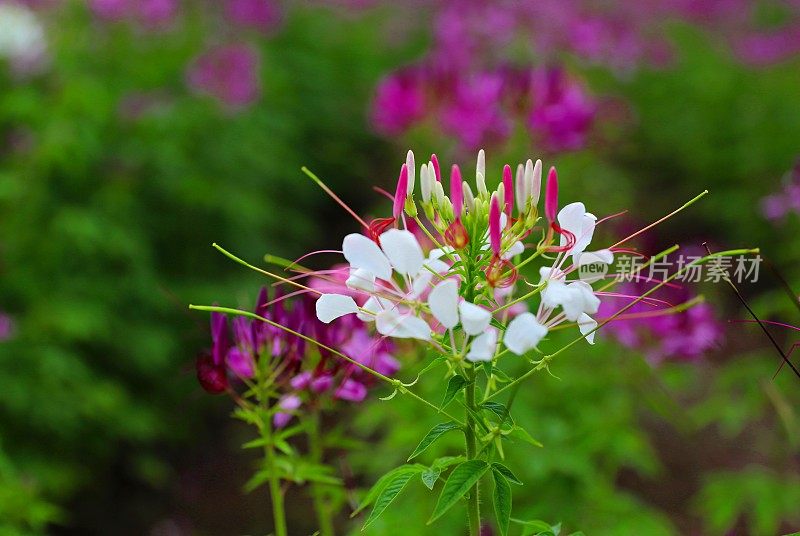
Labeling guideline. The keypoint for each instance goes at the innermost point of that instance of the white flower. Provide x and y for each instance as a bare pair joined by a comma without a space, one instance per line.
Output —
575,298
574,219
523,333
483,346
444,304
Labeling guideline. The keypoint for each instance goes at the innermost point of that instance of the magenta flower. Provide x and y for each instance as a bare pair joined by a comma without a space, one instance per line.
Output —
157,12
228,73
683,336
399,102
778,205
562,112
473,113
262,15
109,9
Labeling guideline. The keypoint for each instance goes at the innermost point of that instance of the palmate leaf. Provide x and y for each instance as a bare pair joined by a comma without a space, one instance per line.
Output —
378,487
502,502
460,481
430,438
390,491
455,384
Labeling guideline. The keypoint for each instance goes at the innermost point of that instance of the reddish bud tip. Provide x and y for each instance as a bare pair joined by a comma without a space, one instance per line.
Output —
494,225
508,191
212,377
401,192
436,168
456,235
551,196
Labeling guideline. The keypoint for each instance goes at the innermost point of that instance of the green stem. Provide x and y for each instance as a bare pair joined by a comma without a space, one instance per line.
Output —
321,507
473,504
276,493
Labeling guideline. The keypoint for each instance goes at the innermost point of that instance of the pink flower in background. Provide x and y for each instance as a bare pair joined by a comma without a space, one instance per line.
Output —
157,12
473,113
683,336
778,205
262,15
229,73
399,102
110,9
562,112
7,327
766,48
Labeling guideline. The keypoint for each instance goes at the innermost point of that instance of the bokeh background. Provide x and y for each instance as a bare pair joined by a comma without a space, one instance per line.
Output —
134,133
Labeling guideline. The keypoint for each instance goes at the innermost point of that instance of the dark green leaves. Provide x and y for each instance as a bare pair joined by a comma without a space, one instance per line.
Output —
435,433
455,384
431,474
502,501
460,481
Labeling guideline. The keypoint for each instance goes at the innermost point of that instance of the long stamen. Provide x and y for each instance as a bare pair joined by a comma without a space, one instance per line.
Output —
334,196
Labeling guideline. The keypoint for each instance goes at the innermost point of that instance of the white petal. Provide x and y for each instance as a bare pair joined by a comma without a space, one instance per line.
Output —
523,333
601,255
554,294
535,185
403,251
425,183
332,306
443,302
515,249
483,346
372,307
570,218
412,169
481,165
591,303
438,253
361,252
360,279
402,326
586,324
421,283
474,319
480,182
520,196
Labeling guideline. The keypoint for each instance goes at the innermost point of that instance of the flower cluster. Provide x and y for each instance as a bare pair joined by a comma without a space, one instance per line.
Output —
481,107
299,372
466,283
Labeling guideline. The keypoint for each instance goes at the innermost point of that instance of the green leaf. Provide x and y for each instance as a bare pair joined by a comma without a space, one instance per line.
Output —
433,364
537,527
432,473
390,491
455,384
502,502
430,476
377,488
520,433
256,443
498,409
506,472
460,481
435,433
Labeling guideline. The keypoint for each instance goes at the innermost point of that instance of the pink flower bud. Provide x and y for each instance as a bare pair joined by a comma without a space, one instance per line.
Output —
436,167
551,196
508,186
494,225
456,191
401,192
